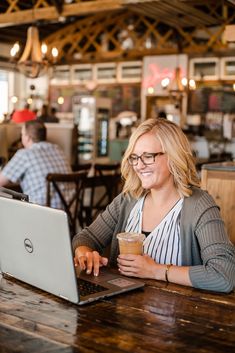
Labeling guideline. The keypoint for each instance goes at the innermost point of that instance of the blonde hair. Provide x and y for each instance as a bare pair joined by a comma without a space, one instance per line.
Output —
175,144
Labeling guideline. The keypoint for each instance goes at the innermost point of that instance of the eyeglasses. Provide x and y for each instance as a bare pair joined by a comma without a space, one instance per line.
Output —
146,158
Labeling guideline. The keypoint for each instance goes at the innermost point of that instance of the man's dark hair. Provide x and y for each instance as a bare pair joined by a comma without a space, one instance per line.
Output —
36,130
162,114
53,110
26,106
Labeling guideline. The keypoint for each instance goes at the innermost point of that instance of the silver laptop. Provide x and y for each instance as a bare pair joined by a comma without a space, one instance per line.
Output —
35,247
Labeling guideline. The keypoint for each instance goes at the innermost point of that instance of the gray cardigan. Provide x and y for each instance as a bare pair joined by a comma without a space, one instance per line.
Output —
204,242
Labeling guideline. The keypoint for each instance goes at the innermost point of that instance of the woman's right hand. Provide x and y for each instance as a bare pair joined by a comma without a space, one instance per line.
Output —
89,260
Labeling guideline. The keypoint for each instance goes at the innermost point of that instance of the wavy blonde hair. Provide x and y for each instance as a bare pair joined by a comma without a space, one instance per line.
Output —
175,144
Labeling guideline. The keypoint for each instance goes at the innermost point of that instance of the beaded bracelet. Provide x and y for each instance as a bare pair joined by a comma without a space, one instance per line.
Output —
166,272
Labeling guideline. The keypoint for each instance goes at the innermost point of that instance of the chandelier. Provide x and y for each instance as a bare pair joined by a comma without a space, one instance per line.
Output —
178,84
33,62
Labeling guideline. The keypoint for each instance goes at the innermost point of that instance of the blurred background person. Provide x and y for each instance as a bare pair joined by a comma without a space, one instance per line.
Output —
53,117
162,114
31,164
48,116
23,115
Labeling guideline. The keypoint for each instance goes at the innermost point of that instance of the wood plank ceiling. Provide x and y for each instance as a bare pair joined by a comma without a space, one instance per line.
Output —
109,30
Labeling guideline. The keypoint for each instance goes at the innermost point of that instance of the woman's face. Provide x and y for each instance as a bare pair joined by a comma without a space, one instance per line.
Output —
157,174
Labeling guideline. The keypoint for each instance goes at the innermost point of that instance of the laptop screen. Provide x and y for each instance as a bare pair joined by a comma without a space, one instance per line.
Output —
36,247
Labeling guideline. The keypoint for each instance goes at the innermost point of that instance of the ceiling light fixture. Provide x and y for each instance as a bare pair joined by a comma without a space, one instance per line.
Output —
33,62
177,84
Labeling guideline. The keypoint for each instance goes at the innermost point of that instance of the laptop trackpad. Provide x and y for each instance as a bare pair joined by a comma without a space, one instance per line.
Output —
105,276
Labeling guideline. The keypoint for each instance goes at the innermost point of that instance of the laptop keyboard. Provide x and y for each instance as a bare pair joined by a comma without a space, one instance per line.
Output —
88,288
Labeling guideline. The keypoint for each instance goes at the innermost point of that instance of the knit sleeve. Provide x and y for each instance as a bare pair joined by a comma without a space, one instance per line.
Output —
217,271
99,234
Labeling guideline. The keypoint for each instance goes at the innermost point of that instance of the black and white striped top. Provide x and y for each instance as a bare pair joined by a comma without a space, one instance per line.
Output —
163,243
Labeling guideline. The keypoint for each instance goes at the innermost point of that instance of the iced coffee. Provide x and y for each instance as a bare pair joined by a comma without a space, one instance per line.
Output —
131,243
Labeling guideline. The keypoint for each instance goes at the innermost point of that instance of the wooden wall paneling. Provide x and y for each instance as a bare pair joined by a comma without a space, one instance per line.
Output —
221,185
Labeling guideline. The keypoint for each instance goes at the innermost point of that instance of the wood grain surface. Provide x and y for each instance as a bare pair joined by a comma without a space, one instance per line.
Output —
158,318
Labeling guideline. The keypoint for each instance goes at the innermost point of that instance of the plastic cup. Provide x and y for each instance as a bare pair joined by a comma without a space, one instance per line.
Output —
131,243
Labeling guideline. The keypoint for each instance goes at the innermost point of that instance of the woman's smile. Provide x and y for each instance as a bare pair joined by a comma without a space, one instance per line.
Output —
156,173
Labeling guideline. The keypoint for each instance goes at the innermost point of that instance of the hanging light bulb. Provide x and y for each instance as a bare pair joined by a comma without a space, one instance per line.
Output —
184,81
54,52
60,100
44,49
30,100
14,99
15,49
150,90
165,82
192,84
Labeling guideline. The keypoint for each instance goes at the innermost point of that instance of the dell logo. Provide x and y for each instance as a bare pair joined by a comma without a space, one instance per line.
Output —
28,245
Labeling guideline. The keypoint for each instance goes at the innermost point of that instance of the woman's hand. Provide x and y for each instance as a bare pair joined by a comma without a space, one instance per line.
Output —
89,260
142,266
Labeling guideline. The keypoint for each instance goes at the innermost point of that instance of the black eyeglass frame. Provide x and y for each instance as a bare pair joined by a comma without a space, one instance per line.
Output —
153,155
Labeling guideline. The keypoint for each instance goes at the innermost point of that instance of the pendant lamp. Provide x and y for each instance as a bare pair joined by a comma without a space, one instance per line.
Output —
33,62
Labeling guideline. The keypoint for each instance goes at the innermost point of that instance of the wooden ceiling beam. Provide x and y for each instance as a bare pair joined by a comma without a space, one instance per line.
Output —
50,12
188,15
158,15
81,42
192,11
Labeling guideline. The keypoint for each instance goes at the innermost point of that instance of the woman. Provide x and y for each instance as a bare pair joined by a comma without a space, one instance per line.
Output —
186,242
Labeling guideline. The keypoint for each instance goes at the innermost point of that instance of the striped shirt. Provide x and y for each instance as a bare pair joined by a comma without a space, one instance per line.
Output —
163,243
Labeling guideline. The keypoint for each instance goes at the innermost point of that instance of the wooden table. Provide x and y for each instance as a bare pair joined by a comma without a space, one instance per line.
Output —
159,318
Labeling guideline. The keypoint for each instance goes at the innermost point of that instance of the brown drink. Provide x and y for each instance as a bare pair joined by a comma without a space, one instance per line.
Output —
131,243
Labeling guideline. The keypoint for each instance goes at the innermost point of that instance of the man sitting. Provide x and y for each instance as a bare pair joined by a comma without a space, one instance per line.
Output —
31,164
47,117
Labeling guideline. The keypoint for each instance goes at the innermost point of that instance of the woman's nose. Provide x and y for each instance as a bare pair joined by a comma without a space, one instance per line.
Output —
140,162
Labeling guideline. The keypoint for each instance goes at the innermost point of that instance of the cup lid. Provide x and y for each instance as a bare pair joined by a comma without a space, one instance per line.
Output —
130,236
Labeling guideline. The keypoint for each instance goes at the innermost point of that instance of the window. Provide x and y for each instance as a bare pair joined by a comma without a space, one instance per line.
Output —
4,94
82,73
228,68
204,69
61,74
105,72
130,71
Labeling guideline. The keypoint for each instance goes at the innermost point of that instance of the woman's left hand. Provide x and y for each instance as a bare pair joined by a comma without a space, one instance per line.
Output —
142,266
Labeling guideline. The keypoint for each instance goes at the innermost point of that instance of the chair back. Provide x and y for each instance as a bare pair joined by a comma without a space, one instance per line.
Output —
2,162
55,182
109,169
104,169
97,192
82,167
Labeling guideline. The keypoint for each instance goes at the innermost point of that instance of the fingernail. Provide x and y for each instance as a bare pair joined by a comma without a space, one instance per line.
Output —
96,274
88,272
